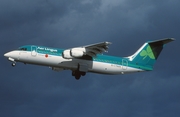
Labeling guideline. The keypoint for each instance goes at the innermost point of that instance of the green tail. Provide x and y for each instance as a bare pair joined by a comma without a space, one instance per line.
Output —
147,55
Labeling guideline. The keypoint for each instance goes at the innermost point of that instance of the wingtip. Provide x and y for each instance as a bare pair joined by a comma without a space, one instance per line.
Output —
165,40
108,43
173,39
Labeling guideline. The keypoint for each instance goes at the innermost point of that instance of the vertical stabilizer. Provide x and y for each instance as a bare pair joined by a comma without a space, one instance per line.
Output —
149,52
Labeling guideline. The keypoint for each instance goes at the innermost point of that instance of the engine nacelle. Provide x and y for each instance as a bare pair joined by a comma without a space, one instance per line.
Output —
73,53
76,53
66,54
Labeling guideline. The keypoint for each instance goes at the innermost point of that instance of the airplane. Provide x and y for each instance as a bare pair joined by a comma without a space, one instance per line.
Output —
89,58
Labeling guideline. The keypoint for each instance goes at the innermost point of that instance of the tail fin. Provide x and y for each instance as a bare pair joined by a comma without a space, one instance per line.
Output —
147,55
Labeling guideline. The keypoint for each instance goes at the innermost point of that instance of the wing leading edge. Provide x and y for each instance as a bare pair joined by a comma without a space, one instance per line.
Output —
98,48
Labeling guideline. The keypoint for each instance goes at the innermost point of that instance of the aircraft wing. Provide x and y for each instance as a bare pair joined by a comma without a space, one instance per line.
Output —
97,48
90,50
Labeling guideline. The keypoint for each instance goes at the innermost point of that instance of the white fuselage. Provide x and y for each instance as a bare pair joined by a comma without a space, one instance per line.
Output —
59,63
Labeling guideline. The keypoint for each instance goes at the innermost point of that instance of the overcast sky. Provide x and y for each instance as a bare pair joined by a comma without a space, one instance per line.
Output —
35,91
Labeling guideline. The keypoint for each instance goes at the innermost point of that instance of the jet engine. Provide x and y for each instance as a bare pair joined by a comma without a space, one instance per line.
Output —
66,54
73,53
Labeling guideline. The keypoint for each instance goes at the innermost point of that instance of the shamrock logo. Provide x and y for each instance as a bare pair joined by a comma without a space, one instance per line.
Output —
147,52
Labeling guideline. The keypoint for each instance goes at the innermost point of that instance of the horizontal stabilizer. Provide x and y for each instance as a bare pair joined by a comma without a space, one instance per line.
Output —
162,41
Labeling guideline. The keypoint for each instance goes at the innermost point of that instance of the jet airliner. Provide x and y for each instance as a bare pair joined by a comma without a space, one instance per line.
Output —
89,58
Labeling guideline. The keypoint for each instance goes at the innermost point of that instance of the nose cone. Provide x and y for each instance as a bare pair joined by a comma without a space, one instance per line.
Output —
7,54
12,54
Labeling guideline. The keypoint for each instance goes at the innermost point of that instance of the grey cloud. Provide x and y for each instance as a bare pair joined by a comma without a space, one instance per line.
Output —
28,90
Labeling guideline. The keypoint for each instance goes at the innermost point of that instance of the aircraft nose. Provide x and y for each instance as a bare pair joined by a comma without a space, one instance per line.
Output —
6,54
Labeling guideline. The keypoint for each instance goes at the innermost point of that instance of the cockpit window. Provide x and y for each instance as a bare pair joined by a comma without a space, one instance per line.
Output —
23,49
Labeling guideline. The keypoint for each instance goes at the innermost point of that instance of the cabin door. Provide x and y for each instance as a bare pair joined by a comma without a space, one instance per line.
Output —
33,51
124,64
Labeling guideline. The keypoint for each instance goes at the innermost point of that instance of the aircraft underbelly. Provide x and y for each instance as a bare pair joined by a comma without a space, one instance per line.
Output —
107,68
